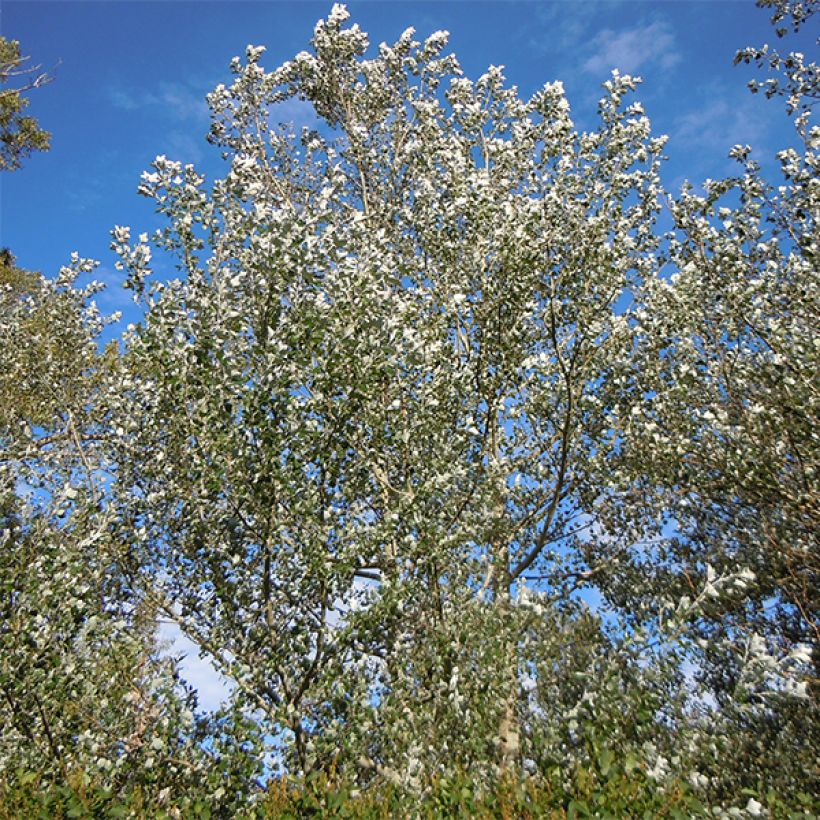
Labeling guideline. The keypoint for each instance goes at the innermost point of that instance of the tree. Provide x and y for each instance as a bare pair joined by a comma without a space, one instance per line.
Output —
88,701
728,372
19,134
93,707
382,433
380,381
444,454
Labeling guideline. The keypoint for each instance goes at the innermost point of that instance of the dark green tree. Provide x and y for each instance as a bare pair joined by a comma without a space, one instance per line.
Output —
19,134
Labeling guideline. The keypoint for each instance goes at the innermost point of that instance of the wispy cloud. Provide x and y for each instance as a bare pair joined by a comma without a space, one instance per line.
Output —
184,146
701,137
721,122
565,23
631,49
178,100
184,104
299,113
212,688
90,180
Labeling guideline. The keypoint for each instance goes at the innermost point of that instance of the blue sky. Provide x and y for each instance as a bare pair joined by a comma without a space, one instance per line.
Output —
130,81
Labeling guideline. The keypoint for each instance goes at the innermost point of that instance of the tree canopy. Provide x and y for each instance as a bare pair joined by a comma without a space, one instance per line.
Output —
19,134
479,487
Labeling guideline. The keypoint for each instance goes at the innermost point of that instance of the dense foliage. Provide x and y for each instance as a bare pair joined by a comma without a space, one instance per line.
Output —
487,495
20,134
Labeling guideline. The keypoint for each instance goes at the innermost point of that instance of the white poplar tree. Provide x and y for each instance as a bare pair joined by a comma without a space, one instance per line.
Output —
368,430
443,453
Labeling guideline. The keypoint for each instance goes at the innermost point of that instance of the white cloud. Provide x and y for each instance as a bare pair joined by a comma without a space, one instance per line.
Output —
184,147
299,113
563,25
212,688
631,49
178,100
184,103
720,122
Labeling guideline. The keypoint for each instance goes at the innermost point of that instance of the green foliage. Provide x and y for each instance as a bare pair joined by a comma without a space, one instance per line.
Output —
19,134
383,442
49,357
610,790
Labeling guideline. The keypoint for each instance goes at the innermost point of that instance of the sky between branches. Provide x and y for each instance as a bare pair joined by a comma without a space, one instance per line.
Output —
131,79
